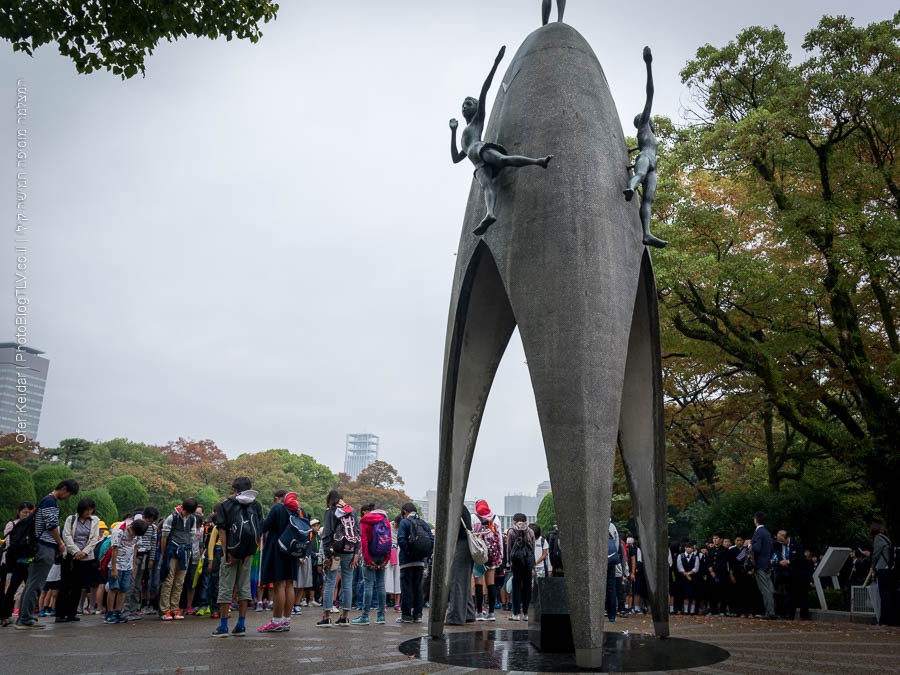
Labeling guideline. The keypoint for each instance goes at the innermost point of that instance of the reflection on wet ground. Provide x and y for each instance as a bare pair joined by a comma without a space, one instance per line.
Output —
511,650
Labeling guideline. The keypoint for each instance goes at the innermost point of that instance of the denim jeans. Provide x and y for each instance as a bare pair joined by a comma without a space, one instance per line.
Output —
374,579
346,584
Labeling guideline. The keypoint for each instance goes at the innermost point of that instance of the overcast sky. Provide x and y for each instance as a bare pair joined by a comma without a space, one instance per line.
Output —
255,243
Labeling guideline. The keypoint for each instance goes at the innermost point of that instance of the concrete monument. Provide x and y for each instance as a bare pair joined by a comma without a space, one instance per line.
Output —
565,263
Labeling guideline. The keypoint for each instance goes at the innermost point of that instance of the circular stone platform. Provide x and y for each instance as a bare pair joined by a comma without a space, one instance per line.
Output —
511,650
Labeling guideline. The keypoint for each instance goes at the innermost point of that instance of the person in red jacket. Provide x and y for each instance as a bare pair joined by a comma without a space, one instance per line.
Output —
375,540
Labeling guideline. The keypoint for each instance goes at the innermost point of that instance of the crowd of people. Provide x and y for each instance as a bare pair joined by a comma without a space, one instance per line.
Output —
238,558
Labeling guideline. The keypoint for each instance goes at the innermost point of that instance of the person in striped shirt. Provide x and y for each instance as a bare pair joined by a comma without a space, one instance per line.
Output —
46,528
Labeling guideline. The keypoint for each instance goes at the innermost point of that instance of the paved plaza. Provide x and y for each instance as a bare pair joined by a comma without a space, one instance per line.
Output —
151,646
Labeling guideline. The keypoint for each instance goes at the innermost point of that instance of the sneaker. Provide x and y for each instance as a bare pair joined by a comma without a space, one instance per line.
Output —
316,603
111,618
239,630
133,616
490,617
269,604
214,615
28,625
220,631
361,620
42,613
396,608
379,618
167,616
178,615
323,623
190,611
403,619
296,611
60,619
270,627
51,612
343,621
480,617
514,617
283,627
259,606
524,617
335,610
418,619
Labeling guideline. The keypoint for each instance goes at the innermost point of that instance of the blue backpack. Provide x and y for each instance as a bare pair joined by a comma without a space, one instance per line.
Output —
380,543
612,551
296,537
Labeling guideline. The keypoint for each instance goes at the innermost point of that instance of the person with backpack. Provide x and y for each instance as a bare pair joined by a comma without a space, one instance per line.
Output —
81,533
121,564
460,606
613,558
177,542
493,538
239,524
49,543
144,554
14,562
341,544
554,553
375,536
278,568
520,561
883,564
416,543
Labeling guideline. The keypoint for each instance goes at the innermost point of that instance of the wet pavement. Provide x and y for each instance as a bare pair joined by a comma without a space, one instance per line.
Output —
152,646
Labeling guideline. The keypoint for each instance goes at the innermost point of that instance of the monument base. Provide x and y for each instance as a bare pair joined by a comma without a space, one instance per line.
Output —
511,650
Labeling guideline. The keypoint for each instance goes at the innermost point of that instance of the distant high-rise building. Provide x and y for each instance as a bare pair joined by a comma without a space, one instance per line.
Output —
23,376
543,489
362,450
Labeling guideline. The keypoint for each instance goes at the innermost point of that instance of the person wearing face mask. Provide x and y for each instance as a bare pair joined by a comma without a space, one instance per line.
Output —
520,557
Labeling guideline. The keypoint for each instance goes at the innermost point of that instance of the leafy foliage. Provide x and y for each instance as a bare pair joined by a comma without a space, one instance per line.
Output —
379,484
118,36
127,493
106,508
780,287
16,486
546,515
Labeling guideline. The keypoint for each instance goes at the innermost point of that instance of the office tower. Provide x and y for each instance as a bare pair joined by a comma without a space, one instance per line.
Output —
362,450
23,376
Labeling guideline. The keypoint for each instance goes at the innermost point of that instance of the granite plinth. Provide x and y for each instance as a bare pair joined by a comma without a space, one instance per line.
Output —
549,623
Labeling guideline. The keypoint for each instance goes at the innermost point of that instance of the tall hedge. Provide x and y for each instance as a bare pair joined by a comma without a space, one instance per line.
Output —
16,486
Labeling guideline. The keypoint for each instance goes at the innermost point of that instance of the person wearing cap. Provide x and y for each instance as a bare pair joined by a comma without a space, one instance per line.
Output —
493,538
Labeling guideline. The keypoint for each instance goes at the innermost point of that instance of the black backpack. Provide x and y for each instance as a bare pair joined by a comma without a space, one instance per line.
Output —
421,541
22,541
520,553
242,527
555,554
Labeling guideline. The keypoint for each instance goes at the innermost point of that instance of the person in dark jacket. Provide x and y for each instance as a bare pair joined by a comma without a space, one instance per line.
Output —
798,572
278,569
340,545
412,565
460,606
761,545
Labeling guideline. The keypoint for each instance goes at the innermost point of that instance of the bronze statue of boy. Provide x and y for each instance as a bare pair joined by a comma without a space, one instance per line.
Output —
645,163
489,158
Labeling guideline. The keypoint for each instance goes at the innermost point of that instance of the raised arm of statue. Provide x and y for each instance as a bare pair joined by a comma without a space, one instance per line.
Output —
648,59
456,155
482,99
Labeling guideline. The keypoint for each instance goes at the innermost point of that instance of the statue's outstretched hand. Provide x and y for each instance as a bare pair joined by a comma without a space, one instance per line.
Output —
500,54
648,56
454,124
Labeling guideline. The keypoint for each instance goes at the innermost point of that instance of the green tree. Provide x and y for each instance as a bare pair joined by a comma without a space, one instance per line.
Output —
207,498
119,36
546,515
15,486
72,450
127,493
783,208
106,508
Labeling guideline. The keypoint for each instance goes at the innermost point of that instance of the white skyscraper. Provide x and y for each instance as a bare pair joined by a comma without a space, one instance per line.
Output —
362,450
